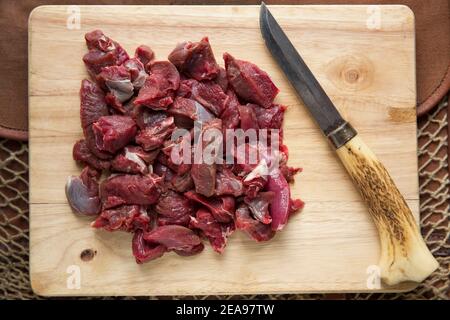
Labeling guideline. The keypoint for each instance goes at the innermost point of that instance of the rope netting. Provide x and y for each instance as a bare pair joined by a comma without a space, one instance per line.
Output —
434,208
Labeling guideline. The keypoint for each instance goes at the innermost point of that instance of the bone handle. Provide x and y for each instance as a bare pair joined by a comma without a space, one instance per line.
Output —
404,254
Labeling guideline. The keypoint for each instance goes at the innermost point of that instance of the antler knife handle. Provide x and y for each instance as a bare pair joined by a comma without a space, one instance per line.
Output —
404,254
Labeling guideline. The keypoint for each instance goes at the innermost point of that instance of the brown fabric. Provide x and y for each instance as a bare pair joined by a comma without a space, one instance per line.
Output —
434,208
432,42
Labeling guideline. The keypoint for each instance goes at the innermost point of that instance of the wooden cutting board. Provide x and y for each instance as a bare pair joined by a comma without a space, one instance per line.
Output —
364,58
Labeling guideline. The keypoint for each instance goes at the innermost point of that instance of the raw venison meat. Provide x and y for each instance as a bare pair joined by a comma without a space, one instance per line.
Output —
259,206
222,208
253,228
174,208
215,232
222,79
228,184
133,160
250,82
153,137
230,116
204,174
82,192
210,95
127,218
248,117
112,133
144,54
168,183
195,59
116,80
186,111
137,72
279,208
81,153
103,52
93,105
144,251
130,189
271,118
159,88
175,238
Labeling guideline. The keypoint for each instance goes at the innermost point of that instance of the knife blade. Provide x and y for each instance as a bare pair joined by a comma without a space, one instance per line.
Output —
404,255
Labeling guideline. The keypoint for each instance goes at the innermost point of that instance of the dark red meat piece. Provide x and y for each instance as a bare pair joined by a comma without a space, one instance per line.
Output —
82,192
137,72
144,251
174,237
222,208
222,79
117,81
131,160
256,180
210,95
250,82
215,232
146,117
185,89
271,118
289,172
81,153
159,88
252,227
144,54
228,184
204,170
279,207
92,105
103,52
230,116
130,189
173,154
259,206
153,137
187,110
174,208
248,117
295,205
195,59
128,218
182,182
112,133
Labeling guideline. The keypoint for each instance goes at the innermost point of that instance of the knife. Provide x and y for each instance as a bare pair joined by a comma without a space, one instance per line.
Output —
404,255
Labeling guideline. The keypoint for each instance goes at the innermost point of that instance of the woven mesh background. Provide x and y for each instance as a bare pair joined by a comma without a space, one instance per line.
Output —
434,195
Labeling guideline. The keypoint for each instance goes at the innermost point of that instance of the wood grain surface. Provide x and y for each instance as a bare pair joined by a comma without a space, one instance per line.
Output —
363,57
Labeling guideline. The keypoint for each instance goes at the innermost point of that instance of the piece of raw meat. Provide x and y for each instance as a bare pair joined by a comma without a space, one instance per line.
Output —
222,208
186,111
174,208
215,232
252,227
137,72
185,89
271,118
248,117
210,95
146,117
222,79
228,184
159,88
250,82
112,133
144,251
279,207
195,59
256,180
144,54
259,206
133,160
128,218
230,116
204,172
103,52
153,137
289,172
130,189
82,192
117,81
81,153
182,182
177,238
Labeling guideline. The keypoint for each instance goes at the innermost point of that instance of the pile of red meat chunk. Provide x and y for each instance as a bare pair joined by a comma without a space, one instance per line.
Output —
129,110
